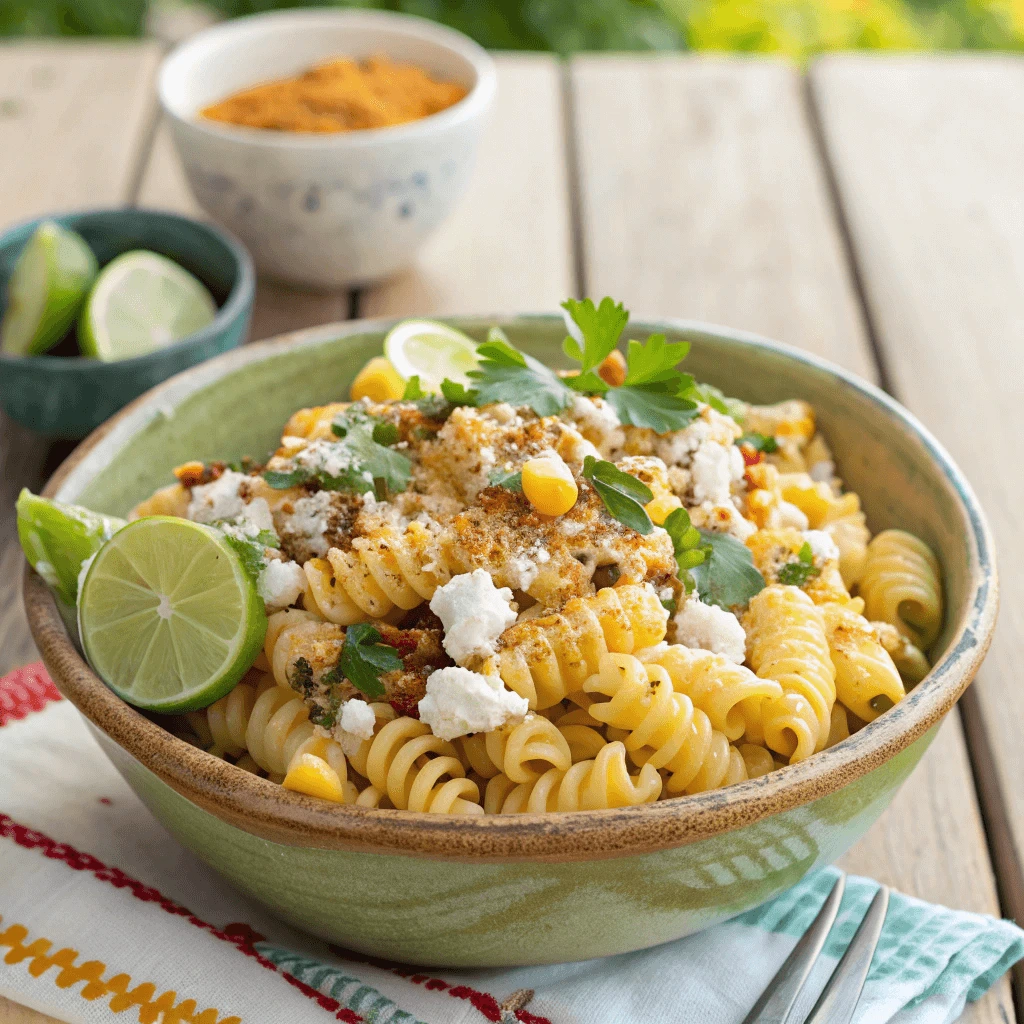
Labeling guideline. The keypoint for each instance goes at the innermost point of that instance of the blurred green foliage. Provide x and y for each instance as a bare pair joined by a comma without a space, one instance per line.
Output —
799,28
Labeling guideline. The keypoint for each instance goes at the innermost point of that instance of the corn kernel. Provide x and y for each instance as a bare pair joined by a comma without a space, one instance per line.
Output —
313,775
613,370
661,507
549,486
378,380
813,499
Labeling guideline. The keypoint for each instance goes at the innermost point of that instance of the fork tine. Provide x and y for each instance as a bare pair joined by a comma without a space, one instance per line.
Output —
777,999
839,998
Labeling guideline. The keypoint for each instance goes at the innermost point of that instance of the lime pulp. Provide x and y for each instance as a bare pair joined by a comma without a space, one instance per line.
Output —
168,616
46,290
431,351
141,302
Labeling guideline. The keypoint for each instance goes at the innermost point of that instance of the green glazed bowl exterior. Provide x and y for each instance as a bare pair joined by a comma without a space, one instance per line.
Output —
68,396
522,889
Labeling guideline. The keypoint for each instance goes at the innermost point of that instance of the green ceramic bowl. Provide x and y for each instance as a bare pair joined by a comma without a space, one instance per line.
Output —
504,890
70,396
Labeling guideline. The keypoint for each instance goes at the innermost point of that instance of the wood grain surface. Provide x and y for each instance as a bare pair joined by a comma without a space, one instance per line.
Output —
929,162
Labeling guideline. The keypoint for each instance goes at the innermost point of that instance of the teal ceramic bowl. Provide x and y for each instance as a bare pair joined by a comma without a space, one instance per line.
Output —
70,396
524,889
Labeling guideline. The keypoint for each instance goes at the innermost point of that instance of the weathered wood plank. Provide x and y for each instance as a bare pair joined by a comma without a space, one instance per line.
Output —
508,246
718,208
278,309
701,195
74,119
928,158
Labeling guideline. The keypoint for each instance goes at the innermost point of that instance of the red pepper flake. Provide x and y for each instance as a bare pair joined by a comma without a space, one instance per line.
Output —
751,456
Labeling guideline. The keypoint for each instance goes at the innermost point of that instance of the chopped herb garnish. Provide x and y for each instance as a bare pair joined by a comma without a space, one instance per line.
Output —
669,605
759,442
326,717
413,392
252,551
385,434
508,375
727,576
282,479
458,394
512,481
796,574
364,659
242,465
623,495
689,546
301,676
717,400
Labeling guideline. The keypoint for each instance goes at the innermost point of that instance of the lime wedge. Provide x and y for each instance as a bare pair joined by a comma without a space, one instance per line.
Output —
168,616
46,289
142,302
58,538
430,351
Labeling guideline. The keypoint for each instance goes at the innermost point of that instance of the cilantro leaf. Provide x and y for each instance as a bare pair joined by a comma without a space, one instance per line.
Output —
413,392
759,442
623,495
300,678
718,401
507,375
655,361
796,574
659,410
593,330
364,659
250,553
384,464
689,547
458,394
727,576
282,479
512,481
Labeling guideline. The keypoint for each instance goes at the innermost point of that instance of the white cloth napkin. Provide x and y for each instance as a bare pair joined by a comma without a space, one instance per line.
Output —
105,918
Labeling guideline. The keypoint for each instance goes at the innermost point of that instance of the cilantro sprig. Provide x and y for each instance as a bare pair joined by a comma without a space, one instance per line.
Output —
689,546
759,442
796,574
727,575
364,659
623,495
510,480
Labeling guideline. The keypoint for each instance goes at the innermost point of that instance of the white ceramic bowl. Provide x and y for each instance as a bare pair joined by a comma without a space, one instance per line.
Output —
325,211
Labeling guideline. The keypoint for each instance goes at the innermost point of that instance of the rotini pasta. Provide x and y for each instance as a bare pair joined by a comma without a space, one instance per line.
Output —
524,752
546,659
900,585
664,729
294,634
786,641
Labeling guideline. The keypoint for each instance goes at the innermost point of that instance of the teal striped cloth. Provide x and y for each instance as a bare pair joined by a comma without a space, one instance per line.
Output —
929,963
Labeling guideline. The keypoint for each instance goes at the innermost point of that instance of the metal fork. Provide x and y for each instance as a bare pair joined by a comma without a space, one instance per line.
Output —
839,998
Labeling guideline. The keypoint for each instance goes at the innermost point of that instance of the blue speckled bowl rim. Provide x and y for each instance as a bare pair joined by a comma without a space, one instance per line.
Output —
265,809
242,291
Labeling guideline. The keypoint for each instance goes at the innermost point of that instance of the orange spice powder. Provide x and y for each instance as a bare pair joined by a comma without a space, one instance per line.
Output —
341,96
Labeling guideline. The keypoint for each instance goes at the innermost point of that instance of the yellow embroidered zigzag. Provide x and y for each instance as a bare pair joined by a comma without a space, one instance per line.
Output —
161,1010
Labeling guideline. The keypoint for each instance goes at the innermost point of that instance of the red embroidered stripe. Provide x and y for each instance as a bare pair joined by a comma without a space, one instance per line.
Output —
25,690
241,939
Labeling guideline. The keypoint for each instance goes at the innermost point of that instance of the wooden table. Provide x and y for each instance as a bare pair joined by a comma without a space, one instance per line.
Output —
872,212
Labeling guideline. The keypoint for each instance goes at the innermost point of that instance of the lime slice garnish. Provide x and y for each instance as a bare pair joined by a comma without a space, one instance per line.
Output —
430,351
46,289
58,538
168,616
142,302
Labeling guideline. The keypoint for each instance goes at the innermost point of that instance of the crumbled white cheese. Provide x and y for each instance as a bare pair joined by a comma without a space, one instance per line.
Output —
823,547
308,521
280,584
218,500
788,515
571,528
459,702
715,467
724,518
710,628
822,472
329,457
355,725
474,613
598,419
254,519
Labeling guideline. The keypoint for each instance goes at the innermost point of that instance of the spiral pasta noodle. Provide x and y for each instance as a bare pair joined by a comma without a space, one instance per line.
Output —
786,642
664,729
293,634
901,585
545,659
603,782
524,752
867,681
222,725
388,569
407,762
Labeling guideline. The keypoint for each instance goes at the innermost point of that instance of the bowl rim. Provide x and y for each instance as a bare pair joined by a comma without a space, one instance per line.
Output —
269,811
472,105
238,302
